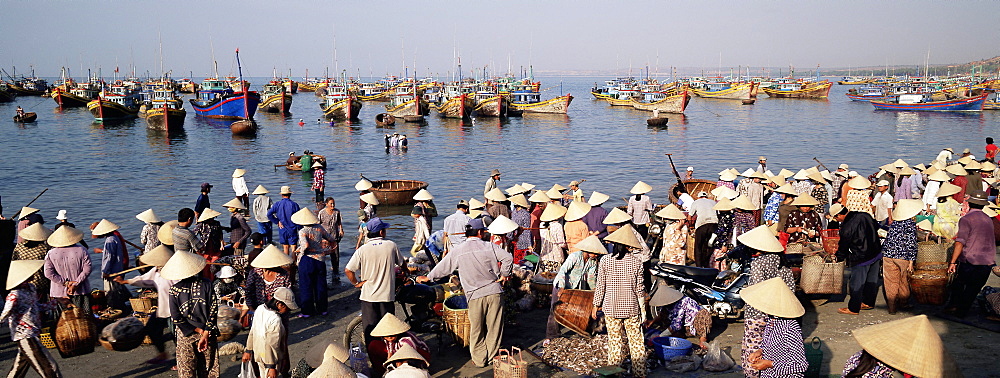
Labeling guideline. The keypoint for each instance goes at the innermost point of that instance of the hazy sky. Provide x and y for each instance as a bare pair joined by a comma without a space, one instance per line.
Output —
376,36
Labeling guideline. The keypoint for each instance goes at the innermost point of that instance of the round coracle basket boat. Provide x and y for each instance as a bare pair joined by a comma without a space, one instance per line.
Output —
396,192
694,186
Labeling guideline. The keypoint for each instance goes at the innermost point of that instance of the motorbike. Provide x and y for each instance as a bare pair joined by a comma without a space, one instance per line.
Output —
717,291
422,304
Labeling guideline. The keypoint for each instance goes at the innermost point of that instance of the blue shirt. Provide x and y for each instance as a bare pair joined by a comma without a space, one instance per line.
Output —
111,259
282,212
901,242
202,203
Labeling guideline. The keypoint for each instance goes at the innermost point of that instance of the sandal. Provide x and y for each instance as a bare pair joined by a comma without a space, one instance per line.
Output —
846,311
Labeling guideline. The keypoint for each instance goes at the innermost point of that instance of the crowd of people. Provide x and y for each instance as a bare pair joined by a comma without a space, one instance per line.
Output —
585,246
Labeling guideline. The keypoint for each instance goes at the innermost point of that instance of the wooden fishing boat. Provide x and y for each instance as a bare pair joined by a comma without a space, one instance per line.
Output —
396,192
557,105
730,91
338,104
216,99
26,118
31,86
373,92
405,107
291,86
820,89
850,80
244,127
6,95
669,104
658,121
187,86
919,102
385,119
991,105
120,102
868,93
315,158
413,118
76,97
694,186
275,98
459,106
165,111
490,105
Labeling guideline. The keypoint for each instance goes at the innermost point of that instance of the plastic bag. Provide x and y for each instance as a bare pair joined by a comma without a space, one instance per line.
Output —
716,360
246,370
358,359
683,364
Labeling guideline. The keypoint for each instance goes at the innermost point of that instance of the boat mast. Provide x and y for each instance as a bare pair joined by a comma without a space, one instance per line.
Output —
243,85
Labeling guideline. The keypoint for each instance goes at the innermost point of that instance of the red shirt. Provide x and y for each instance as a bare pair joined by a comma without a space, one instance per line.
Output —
991,151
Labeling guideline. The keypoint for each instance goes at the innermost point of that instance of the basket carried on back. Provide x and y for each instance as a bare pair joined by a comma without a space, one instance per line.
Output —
456,318
75,333
574,309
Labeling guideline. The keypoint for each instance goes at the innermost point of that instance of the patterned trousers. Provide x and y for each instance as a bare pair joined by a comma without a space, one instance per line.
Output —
618,330
194,364
31,354
753,335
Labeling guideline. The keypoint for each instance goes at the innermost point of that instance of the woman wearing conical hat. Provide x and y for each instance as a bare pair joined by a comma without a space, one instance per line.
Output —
723,233
674,235
947,212
744,215
150,228
640,207
67,266
804,224
21,310
553,250
619,294
34,247
766,264
780,352
907,346
392,335
238,228
268,274
261,204
209,231
194,312
899,250
726,179
753,190
858,196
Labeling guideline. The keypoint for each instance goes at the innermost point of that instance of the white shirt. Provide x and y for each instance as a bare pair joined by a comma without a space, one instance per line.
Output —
930,194
685,200
454,226
883,205
240,186
152,279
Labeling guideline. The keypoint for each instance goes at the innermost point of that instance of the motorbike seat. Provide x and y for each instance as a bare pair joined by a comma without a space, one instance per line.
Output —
691,270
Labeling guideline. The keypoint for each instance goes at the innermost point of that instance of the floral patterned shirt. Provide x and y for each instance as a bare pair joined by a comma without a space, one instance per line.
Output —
901,242
21,312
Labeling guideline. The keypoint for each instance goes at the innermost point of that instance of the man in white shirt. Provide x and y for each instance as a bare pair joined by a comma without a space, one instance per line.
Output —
454,225
372,268
240,187
882,202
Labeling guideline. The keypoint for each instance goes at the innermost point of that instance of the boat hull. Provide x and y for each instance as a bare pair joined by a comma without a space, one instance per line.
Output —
971,104
408,108
7,96
107,110
22,91
456,107
673,104
235,106
492,107
558,105
991,105
27,117
382,97
279,103
864,98
599,96
69,100
820,90
166,119
348,108
245,127
740,92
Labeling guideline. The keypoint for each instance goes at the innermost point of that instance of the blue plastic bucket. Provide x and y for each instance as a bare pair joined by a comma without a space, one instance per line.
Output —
670,347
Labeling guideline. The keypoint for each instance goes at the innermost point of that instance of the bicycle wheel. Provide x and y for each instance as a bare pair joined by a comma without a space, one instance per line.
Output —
355,333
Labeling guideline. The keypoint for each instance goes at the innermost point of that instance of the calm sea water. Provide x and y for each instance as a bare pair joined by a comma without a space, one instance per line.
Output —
115,171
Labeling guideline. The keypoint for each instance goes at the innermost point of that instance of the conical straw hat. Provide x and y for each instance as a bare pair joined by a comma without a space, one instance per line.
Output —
65,236
332,368
743,203
624,235
539,197
406,352
948,189
363,184
747,173
988,166
26,211
801,175
663,295
671,212
938,176
527,186
920,167
239,172
956,170
931,170
369,198
973,166
925,225
826,175
726,176
724,204
724,192
553,194
104,227
423,195
316,354
476,204
260,190
474,213
558,187
182,265
208,214
35,232
235,203
496,195
616,216
786,189
502,225
965,160
859,182
272,257
805,200
758,174
158,256
817,177
939,164
21,270
906,171
762,239
910,345
773,297
166,233
641,188
785,172
518,199
516,189
906,209
598,198
576,210
148,216
304,217
390,325
778,180
592,244
900,163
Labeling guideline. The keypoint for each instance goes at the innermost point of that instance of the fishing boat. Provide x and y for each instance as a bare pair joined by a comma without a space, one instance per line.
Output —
26,118
530,102
6,95
338,104
384,119
29,86
75,95
291,86
796,89
275,98
991,105
456,104
852,80
216,99
244,127
372,92
626,93
396,192
693,187
120,101
868,93
922,103
406,100
165,111
296,167
727,90
662,102
490,104
187,86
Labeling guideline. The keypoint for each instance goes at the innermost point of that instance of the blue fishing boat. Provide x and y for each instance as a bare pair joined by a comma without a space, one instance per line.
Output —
869,93
921,102
216,99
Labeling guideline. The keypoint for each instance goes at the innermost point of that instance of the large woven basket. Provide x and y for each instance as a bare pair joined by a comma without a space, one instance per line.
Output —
929,283
821,277
456,318
143,304
928,251
574,309
75,333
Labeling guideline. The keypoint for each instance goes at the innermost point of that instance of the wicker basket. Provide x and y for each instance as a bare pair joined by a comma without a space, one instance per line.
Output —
794,249
573,310
506,364
930,286
456,318
928,251
831,240
821,277
143,304
76,333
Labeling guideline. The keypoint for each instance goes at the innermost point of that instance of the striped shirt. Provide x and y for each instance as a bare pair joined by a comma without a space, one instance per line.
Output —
783,346
640,209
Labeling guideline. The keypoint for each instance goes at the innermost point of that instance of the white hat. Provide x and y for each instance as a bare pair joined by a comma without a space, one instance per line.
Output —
671,212
104,227
304,217
389,325
539,197
724,192
476,204
515,190
502,225
286,190
35,232
182,265
727,175
910,345
773,297
519,200
576,210
724,204
859,182
641,188
235,203
148,216
260,190
616,216
844,166
423,195
743,203
690,169
61,215
239,172
64,236
26,211
406,352
208,214
527,186
286,296
370,198
597,198
624,235
22,270
271,257
166,233
591,244
906,209
157,256
552,212
762,239
318,352
882,183
496,195
363,184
